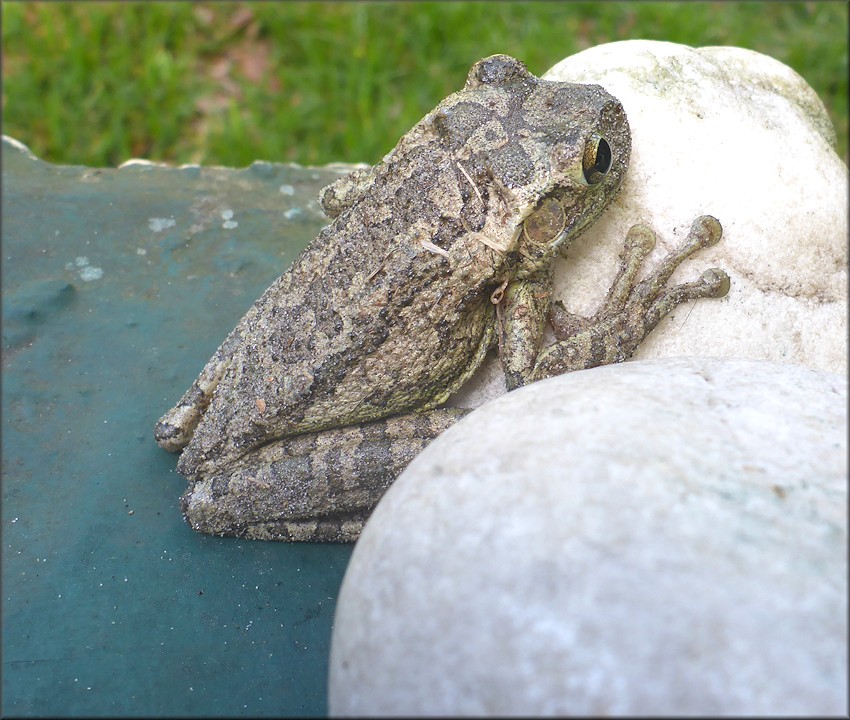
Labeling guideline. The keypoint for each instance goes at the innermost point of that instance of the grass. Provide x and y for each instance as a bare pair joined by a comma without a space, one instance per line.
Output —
318,82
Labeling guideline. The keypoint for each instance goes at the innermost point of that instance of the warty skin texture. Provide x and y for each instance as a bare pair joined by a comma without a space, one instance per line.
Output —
432,256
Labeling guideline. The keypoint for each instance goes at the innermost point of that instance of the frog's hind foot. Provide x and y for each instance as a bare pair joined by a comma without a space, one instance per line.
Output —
342,528
315,487
631,309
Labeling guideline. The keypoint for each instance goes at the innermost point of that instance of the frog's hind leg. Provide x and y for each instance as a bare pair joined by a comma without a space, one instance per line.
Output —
631,310
312,487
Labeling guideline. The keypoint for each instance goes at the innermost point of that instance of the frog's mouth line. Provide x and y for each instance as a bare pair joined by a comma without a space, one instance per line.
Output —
581,223
571,232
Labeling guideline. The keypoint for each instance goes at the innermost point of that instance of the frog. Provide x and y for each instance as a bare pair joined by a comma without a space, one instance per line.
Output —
340,373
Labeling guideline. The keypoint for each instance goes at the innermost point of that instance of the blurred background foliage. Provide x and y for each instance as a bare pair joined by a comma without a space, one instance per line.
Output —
317,82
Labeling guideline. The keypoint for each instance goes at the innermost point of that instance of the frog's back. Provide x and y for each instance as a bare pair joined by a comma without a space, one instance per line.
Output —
388,310
372,280
370,320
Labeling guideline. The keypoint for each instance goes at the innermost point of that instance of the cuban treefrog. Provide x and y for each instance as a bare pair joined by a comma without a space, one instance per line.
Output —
333,381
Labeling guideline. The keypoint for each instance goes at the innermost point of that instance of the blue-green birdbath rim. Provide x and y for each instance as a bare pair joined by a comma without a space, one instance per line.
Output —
117,286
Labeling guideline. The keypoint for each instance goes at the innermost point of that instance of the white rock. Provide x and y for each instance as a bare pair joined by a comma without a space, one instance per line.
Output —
656,537
735,134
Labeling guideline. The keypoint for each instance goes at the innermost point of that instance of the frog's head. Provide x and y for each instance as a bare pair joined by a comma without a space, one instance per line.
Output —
551,154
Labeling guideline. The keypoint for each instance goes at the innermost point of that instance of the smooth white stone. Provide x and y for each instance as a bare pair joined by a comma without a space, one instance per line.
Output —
654,537
735,134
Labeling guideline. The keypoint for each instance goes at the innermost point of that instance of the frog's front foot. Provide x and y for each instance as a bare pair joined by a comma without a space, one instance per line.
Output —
631,309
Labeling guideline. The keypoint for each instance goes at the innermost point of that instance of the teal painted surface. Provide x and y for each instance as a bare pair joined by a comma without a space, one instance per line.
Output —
118,284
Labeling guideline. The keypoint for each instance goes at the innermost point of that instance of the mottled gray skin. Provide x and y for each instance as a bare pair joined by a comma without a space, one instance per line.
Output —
332,381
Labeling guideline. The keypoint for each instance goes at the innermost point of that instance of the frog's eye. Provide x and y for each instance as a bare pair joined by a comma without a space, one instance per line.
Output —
597,159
